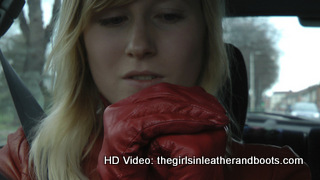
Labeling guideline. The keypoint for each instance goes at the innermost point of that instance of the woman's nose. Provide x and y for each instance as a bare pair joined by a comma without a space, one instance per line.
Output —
140,42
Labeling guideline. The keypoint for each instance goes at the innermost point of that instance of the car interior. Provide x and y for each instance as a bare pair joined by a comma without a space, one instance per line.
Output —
305,142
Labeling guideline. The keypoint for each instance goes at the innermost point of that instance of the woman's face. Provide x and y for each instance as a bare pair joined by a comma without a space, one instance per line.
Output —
144,43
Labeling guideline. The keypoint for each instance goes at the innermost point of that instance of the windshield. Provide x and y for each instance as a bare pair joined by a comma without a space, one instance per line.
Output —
282,62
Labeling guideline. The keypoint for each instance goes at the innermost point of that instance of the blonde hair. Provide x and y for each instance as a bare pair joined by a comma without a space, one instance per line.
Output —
61,140
216,69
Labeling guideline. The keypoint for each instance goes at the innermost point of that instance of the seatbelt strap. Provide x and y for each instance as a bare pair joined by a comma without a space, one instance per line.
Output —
28,109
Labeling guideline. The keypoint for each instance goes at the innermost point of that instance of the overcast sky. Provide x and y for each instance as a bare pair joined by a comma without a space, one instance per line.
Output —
300,55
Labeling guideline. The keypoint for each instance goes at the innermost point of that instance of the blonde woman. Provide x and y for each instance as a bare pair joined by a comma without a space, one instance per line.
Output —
131,81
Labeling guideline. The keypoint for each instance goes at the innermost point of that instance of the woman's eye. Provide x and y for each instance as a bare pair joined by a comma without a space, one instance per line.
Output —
170,17
113,21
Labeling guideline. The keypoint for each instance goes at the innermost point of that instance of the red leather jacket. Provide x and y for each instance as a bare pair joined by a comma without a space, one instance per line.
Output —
170,122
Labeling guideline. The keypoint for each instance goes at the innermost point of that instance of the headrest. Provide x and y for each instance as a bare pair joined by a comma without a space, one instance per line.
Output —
235,91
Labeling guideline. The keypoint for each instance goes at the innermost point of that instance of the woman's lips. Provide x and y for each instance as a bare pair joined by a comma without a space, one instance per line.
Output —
142,79
142,75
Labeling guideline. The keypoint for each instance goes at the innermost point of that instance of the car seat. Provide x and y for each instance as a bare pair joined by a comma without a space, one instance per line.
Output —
235,100
235,90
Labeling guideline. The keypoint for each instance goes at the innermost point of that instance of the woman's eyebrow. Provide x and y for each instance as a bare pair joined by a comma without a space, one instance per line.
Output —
186,3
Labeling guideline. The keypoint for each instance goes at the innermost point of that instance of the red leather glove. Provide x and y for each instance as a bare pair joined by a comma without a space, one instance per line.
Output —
167,120
183,148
